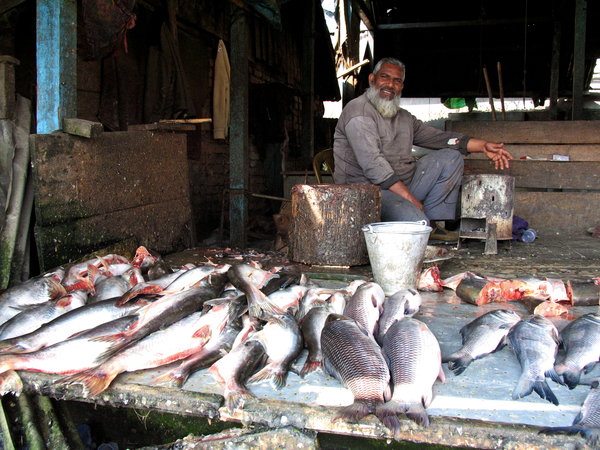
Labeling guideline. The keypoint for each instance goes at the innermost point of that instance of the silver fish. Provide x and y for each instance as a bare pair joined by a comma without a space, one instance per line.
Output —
534,340
283,343
31,292
353,357
365,306
482,336
250,279
35,316
312,325
414,357
581,343
587,421
109,288
394,308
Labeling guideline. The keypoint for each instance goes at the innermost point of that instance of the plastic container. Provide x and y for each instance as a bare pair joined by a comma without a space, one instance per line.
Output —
396,252
529,235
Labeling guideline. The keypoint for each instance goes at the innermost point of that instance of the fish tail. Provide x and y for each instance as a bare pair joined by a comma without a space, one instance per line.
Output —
310,365
277,377
417,413
10,383
571,378
570,431
458,364
544,391
393,424
414,411
93,381
555,377
171,379
235,398
354,412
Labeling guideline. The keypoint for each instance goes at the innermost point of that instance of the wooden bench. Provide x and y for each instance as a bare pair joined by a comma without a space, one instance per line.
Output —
559,197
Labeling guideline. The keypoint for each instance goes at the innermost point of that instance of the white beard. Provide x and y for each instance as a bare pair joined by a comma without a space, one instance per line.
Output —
387,108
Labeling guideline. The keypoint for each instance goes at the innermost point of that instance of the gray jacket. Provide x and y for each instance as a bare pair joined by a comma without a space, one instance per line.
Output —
369,149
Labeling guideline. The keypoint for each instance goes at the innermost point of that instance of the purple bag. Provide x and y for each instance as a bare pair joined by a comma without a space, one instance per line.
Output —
519,227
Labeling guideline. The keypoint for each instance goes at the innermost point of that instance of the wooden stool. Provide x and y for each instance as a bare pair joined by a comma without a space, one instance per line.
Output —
326,223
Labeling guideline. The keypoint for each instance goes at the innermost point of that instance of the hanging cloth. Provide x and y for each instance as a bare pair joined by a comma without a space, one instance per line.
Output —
221,97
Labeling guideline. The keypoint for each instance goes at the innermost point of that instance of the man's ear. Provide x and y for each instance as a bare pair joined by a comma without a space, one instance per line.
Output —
371,78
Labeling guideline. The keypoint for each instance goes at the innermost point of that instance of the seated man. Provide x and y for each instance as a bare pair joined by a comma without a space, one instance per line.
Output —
373,143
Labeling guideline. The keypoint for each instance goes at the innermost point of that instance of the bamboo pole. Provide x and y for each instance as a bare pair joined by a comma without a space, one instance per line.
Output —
501,91
489,90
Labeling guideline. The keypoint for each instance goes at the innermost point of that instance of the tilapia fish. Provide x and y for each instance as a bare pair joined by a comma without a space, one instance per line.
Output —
581,343
283,343
484,335
394,309
173,343
534,340
365,306
587,421
415,361
353,357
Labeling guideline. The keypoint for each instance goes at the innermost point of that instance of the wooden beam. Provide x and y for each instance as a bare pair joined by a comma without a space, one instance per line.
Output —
56,61
7,5
579,58
308,81
238,147
554,71
460,23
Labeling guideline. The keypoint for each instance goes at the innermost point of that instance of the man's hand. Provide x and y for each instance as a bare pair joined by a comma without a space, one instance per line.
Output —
400,189
498,154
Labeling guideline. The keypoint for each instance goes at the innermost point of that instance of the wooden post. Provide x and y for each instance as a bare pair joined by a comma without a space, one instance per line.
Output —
579,58
554,71
56,60
238,147
327,220
308,81
489,90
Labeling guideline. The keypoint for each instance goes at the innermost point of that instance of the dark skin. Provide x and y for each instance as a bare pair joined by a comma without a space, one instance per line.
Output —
390,82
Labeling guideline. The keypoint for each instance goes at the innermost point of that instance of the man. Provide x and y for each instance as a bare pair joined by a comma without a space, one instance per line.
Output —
373,143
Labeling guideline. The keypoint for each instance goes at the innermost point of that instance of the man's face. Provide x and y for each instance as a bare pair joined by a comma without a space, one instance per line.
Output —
389,81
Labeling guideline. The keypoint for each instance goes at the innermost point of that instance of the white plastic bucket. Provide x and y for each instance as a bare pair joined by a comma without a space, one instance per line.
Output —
396,252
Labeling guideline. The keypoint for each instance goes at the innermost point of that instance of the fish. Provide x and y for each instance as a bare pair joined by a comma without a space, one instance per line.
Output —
312,325
518,288
250,279
480,337
77,275
580,340
587,421
430,281
559,290
453,281
172,343
213,350
394,309
477,290
549,308
233,370
414,357
35,316
110,288
583,293
32,292
288,299
535,341
412,305
70,356
167,310
365,306
194,276
69,324
353,357
283,343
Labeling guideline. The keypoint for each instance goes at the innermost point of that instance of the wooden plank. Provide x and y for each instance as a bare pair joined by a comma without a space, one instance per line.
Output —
56,62
544,174
7,5
77,177
84,128
163,226
162,126
575,152
568,213
531,132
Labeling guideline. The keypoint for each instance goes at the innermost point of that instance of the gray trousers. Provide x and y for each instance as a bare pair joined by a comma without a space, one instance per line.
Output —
435,183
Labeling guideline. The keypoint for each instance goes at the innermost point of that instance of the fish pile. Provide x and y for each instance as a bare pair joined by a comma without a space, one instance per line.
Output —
548,297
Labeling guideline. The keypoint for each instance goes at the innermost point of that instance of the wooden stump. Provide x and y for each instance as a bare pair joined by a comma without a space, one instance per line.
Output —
327,220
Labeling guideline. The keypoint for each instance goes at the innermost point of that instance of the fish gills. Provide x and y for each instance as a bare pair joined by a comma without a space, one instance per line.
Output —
534,340
415,361
354,358
484,335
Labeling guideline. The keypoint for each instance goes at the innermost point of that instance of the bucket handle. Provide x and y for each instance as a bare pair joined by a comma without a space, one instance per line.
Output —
369,227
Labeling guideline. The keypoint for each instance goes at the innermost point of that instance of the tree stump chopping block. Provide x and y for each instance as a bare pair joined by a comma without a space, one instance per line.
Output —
327,220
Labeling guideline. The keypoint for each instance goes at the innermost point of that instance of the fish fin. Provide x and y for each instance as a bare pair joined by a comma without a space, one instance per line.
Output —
170,379
417,413
589,367
352,413
544,391
571,378
234,398
127,296
570,431
458,364
10,383
202,332
272,372
393,424
414,411
310,365
94,381
83,284
554,376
